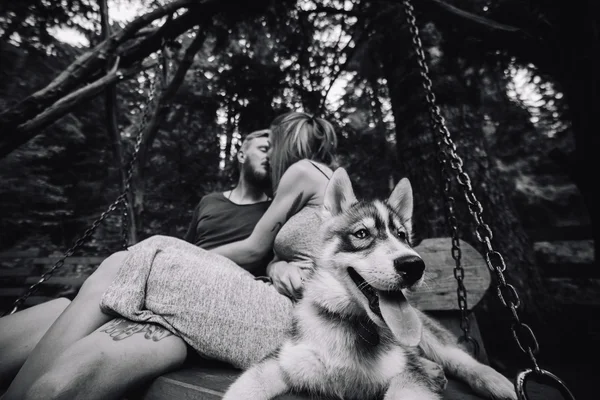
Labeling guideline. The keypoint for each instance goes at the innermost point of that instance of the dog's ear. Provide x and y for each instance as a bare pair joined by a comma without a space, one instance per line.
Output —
339,195
401,200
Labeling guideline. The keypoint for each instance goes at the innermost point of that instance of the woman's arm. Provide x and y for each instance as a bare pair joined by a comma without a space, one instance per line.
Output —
294,191
288,278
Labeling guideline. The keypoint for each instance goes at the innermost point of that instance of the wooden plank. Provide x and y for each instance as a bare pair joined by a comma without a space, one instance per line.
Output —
11,291
17,272
75,281
574,291
70,260
20,254
205,382
565,251
438,292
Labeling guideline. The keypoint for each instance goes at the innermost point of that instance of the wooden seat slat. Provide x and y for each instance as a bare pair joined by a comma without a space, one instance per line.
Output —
206,382
69,261
11,291
17,272
59,280
438,291
437,295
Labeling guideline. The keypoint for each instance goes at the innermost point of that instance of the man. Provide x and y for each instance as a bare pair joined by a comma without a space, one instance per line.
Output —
219,218
226,217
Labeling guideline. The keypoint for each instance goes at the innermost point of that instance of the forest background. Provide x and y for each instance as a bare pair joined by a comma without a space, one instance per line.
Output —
516,81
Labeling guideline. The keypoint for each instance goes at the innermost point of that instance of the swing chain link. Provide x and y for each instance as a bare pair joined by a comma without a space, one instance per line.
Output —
456,252
121,200
507,293
447,164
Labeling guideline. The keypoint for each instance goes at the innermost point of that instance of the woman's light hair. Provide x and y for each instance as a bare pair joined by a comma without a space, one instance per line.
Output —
296,136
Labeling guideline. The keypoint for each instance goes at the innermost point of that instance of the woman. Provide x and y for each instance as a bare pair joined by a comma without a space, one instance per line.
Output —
163,285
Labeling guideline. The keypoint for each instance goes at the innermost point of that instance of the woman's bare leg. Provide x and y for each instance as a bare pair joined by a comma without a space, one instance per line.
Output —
105,364
82,317
21,332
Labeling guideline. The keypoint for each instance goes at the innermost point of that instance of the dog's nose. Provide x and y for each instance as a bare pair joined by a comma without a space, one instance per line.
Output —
411,268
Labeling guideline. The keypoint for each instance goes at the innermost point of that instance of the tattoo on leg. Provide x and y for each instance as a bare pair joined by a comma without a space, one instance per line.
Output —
120,329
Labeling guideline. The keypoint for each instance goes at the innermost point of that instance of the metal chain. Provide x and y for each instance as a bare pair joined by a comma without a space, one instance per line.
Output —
507,293
121,199
456,252
449,201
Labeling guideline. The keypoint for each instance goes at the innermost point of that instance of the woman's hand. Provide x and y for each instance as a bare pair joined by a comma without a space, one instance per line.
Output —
288,278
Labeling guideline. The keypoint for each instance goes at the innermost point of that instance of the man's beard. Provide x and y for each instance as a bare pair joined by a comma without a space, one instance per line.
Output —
257,178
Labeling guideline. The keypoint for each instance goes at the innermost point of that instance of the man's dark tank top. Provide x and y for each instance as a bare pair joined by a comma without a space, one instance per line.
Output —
218,221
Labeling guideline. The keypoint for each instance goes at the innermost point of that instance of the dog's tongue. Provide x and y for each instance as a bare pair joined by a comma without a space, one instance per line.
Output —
401,318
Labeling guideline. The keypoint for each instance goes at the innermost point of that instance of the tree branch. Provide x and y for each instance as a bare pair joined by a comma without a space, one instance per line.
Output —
349,57
31,128
488,23
332,11
151,129
90,64
167,94
81,68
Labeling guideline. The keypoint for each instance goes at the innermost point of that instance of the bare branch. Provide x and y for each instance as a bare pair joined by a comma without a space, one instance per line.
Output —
333,11
92,63
167,94
476,18
151,129
31,128
141,22
81,69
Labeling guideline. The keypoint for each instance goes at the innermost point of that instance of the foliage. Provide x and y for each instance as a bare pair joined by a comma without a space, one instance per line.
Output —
293,56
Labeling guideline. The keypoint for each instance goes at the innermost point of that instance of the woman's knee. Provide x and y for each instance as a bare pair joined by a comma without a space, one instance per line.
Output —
62,383
72,375
93,371
100,279
57,306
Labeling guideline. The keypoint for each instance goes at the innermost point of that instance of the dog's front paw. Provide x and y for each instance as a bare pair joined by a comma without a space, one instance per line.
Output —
435,376
493,385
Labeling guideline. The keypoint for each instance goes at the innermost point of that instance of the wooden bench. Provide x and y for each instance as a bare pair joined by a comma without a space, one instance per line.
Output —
207,381
19,270
201,380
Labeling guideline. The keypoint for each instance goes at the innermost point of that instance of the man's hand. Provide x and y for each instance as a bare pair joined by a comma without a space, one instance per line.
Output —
288,278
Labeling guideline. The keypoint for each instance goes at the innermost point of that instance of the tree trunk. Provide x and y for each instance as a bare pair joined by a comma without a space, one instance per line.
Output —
112,126
152,125
230,129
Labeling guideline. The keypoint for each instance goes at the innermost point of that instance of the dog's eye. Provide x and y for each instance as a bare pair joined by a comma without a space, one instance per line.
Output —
361,233
401,234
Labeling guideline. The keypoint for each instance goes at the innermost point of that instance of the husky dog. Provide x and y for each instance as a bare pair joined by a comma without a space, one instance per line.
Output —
355,336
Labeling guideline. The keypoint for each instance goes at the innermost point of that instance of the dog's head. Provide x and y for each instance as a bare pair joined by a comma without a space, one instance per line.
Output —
367,250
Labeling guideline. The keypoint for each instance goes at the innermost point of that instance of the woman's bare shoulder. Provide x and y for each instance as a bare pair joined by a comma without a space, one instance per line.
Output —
306,166
302,174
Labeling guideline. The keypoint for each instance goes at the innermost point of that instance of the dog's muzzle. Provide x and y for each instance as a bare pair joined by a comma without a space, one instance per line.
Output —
410,269
367,290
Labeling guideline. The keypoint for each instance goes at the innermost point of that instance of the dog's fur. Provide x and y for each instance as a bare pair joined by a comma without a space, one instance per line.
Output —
350,345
